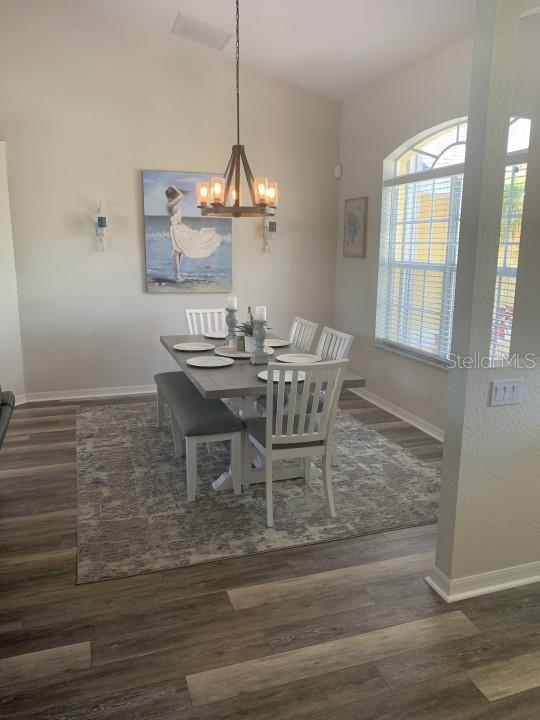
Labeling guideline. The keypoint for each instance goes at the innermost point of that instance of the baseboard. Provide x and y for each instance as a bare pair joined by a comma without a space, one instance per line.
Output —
418,422
88,393
483,583
20,399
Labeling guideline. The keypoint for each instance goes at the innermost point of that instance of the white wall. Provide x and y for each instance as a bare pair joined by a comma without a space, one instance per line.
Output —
11,362
489,529
88,101
373,125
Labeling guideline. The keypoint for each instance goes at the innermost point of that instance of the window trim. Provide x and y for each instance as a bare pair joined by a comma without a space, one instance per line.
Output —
517,157
411,353
390,180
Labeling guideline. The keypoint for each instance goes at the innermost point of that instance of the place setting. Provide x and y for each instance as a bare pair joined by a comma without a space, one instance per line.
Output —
244,341
193,346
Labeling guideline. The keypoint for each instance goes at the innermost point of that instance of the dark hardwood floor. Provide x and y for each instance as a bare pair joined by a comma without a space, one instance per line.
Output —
345,629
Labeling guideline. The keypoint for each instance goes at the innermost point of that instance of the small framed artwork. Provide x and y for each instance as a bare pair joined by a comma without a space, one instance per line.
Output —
185,252
355,227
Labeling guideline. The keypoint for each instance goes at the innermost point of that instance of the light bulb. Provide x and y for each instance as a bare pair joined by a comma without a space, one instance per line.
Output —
202,190
217,191
261,185
272,194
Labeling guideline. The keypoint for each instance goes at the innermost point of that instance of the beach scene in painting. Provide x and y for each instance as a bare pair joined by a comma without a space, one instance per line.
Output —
185,252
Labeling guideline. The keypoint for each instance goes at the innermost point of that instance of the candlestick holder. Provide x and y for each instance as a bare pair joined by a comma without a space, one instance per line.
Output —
232,322
259,356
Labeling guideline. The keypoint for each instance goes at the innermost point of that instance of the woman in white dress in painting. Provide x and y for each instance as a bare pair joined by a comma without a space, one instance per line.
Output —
186,241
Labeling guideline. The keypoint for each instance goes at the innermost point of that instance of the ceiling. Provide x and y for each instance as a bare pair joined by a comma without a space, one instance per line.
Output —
331,48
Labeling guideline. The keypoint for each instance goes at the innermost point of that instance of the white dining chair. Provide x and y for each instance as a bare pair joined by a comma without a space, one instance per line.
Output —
306,430
302,333
333,344
201,321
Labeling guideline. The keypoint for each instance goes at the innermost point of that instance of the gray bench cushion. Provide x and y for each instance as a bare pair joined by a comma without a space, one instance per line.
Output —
7,403
194,414
256,427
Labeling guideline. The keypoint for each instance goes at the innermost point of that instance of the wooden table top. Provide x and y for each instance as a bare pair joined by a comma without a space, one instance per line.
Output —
236,380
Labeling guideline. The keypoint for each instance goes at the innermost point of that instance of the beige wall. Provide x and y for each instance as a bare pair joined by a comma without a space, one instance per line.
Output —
11,363
88,101
490,491
373,125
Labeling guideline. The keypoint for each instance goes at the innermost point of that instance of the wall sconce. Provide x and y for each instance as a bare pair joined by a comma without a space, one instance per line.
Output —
269,232
101,227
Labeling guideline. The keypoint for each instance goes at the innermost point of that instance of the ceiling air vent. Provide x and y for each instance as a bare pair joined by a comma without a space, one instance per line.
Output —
200,32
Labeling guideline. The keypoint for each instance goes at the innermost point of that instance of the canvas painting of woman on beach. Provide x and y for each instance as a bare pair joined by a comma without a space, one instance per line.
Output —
185,252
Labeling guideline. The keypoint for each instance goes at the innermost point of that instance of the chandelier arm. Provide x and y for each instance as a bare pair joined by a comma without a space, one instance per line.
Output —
249,175
229,172
228,168
237,177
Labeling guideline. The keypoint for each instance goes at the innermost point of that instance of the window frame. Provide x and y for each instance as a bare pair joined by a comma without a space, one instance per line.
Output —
392,179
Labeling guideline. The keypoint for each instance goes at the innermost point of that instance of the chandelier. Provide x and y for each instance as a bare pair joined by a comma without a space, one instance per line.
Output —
222,195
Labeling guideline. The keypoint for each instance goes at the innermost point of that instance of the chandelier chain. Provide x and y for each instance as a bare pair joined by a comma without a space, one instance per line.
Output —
238,72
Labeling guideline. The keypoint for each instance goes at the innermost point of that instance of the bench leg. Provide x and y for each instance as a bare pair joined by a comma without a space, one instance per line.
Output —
191,468
160,409
178,439
236,462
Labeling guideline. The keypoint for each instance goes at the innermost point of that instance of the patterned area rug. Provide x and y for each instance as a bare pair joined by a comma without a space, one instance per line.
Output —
133,517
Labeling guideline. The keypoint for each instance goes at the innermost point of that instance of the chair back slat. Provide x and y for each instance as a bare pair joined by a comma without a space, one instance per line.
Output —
279,407
312,402
302,333
304,401
293,397
333,344
201,321
315,400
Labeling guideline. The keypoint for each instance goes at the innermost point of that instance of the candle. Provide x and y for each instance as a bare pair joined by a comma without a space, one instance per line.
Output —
202,190
272,194
261,189
232,303
217,191
260,312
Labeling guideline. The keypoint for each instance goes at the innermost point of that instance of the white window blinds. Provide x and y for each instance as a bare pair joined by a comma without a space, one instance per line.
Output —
417,270
419,243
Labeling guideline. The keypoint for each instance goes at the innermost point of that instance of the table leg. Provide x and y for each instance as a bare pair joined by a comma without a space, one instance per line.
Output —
253,470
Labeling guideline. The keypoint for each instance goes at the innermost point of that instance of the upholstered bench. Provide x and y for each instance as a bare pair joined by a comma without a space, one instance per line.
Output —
195,420
7,403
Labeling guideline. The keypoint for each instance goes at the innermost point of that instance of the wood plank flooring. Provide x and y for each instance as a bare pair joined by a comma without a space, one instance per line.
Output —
345,629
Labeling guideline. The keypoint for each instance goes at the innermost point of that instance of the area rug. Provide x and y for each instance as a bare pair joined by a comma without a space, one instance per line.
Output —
133,516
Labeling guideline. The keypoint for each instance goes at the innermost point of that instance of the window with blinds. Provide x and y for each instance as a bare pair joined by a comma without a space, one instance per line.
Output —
505,289
419,243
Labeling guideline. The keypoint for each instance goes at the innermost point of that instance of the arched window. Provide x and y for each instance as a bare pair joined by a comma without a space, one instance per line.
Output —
419,241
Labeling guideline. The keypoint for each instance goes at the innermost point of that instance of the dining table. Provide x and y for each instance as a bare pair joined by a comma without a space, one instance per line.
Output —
239,386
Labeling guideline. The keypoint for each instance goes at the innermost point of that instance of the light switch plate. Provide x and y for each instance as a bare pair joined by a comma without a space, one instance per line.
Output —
506,392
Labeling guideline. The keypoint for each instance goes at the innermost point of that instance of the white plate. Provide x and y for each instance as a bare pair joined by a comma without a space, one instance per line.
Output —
210,361
216,335
288,375
299,358
193,346
276,342
232,352
227,351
